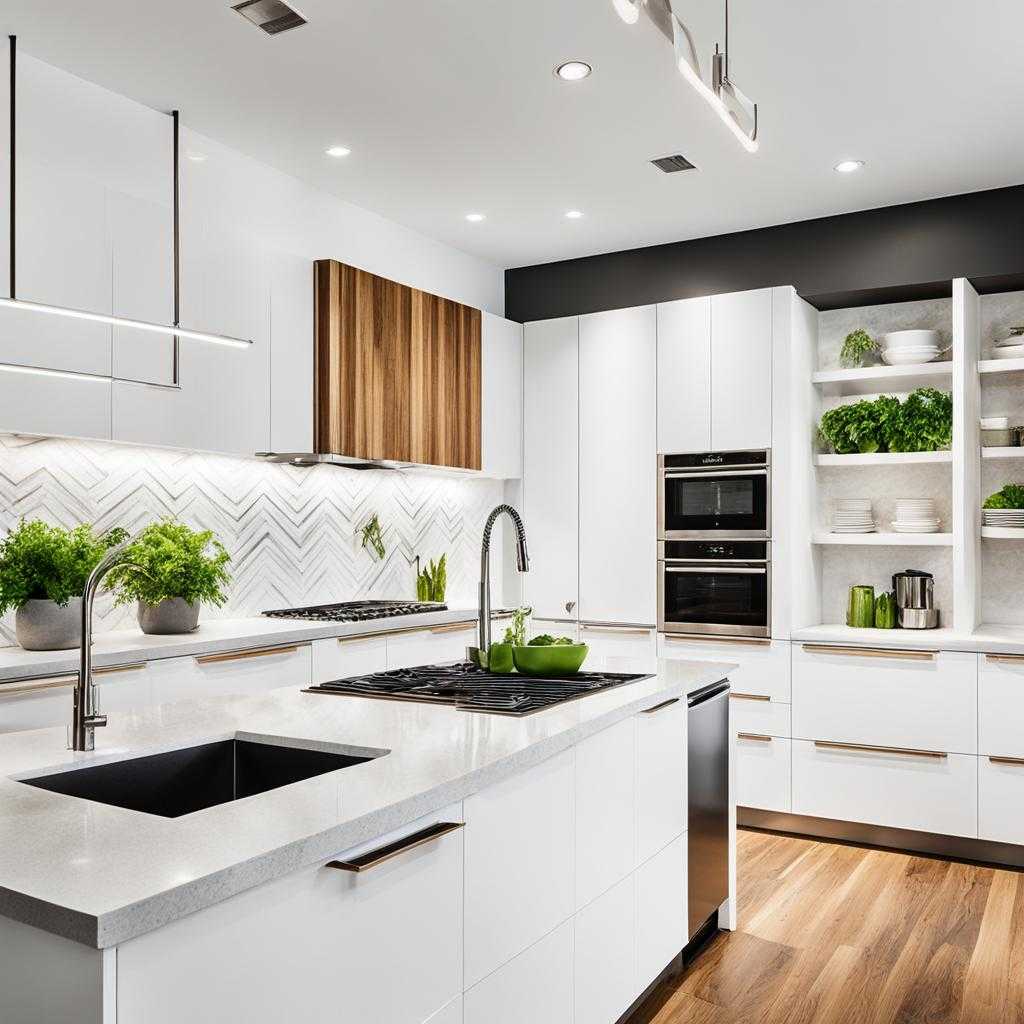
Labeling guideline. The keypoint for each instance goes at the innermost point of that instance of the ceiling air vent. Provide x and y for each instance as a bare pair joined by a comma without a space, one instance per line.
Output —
272,16
671,164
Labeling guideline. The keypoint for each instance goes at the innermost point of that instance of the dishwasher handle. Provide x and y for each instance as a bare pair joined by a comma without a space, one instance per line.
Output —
706,693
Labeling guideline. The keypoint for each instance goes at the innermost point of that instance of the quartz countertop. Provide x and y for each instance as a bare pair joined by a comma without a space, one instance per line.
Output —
101,875
988,638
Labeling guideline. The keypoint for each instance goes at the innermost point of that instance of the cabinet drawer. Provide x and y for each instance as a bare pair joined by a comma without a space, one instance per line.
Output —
919,699
619,641
901,790
521,833
1001,705
763,665
763,772
660,911
1000,799
341,657
604,956
535,986
432,646
661,775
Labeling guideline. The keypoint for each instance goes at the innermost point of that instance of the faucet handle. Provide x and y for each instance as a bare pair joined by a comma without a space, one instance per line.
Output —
95,721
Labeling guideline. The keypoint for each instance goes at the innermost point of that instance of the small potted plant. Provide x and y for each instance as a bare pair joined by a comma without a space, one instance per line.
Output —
857,347
43,571
170,570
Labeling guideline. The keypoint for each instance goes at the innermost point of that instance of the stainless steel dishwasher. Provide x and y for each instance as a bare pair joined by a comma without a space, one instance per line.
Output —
708,782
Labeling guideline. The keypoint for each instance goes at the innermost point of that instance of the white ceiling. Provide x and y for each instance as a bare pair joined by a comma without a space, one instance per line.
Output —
450,106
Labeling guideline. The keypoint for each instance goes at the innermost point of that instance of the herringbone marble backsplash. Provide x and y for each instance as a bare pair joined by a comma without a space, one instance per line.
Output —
293,534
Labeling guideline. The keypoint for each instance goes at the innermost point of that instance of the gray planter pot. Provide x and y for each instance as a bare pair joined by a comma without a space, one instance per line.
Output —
46,626
175,615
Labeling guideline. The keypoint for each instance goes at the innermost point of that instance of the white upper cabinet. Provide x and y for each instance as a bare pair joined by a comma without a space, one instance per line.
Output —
741,370
551,465
502,398
618,467
684,376
291,353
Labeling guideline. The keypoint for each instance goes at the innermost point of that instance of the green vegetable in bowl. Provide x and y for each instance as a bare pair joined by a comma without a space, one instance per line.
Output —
1010,496
547,640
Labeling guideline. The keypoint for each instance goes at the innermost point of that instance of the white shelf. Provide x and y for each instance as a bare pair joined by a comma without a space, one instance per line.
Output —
882,459
873,380
1003,532
910,540
1001,366
1009,452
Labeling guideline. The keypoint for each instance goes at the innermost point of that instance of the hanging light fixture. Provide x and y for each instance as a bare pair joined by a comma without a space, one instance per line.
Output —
174,330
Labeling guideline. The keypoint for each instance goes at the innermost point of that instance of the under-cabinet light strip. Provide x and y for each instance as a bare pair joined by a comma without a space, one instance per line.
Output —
43,371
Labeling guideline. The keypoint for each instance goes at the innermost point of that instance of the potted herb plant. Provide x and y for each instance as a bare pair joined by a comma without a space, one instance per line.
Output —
171,570
43,571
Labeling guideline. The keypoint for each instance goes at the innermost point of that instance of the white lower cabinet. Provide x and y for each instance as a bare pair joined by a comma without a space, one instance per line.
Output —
660,911
1001,705
318,946
762,715
898,789
519,864
431,646
534,987
341,657
763,772
607,641
661,775
604,956
763,666
1001,799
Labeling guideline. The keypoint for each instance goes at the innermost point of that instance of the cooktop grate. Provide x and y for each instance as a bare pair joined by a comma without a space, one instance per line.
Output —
357,611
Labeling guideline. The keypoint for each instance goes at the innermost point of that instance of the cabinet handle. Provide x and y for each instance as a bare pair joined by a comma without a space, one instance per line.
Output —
747,641
455,627
909,751
57,682
618,630
1011,659
395,849
1006,760
660,707
748,696
110,670
569,605
870,652
262,652
760,737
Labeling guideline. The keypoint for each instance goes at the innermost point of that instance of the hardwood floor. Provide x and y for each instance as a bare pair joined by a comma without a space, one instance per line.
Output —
831,933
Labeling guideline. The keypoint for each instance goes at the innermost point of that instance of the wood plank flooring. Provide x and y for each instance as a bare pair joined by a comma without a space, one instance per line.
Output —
831,933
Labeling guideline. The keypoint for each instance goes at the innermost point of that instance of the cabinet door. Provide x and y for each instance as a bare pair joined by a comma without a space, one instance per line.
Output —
638,642
434,645
618,466
519,864
345,656
763,772
291,353
741,370
660,911
684,376
661,776
501,425
551,465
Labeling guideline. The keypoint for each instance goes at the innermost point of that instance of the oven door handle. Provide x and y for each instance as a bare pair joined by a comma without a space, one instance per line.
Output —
674,475
744,571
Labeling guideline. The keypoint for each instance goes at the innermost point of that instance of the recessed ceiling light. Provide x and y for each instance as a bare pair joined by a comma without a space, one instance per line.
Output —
338,151
573,70
574,214
475,218
849,166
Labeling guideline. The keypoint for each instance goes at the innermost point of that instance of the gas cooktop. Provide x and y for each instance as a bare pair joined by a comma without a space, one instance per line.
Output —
468,688
357,611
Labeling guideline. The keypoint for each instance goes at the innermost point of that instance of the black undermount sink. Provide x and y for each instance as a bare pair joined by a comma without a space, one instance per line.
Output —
183,781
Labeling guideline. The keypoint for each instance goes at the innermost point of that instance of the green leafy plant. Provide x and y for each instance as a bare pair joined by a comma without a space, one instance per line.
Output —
432,582
41,562
373,537
856,347
167,560
921,423
516,633
1010,496
547,640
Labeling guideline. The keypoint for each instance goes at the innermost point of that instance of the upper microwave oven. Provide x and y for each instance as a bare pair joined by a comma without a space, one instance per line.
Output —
715,496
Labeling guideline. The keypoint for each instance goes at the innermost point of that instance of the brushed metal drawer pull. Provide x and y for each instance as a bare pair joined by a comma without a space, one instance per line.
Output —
1010,659
455,627
55,683
748,696
262,652
870,652
617,630
109,670
743,641
909,751
395,849
760,737
1006,760
660,707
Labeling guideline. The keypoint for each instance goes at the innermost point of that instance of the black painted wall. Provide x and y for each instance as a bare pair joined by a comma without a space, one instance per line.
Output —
978,235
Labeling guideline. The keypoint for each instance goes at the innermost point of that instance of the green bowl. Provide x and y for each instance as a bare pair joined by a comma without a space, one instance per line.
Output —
556,660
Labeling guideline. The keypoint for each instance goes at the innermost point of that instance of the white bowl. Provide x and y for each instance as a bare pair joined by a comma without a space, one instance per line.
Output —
1009,352
908,357
912,339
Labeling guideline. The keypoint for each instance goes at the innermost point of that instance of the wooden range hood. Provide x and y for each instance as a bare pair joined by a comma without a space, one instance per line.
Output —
397,372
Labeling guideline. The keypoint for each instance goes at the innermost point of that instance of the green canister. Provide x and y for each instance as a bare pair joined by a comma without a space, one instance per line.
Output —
860,612
886,616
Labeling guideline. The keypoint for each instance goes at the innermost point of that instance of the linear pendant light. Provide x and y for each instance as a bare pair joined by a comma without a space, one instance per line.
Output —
174,330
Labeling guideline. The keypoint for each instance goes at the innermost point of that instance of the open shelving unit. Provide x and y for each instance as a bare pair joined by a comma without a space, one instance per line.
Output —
883,459
883,540
1002,533
879,380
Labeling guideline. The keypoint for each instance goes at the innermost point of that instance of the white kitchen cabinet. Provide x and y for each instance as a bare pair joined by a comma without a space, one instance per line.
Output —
554,627
661,919
1000,799
52,406
606,808
341,657
341,933
920,699
432,645
741,370
534,987
501,427
619,641
887,787
661,775
519,864
763,666
604,956
1001,705
751,713
618,466
684,376
763,771
551,465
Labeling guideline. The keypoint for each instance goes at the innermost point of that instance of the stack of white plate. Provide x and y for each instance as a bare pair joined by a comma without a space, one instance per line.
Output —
915,515
1009,348
905,348
1007,517
852,515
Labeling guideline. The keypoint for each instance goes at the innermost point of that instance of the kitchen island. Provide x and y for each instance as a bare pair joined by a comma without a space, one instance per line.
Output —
562,896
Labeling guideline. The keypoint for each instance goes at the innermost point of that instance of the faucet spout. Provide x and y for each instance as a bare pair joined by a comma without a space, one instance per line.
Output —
522,564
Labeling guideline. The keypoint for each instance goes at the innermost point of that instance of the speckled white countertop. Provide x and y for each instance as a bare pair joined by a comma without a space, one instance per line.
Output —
102,875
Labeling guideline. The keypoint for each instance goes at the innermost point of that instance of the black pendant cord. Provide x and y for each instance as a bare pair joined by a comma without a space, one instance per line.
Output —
13,114
176,356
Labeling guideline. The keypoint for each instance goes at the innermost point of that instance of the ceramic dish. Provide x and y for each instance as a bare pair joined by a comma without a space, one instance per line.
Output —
912,339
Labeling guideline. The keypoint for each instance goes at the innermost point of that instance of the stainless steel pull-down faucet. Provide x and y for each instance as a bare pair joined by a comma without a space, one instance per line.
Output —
522,564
